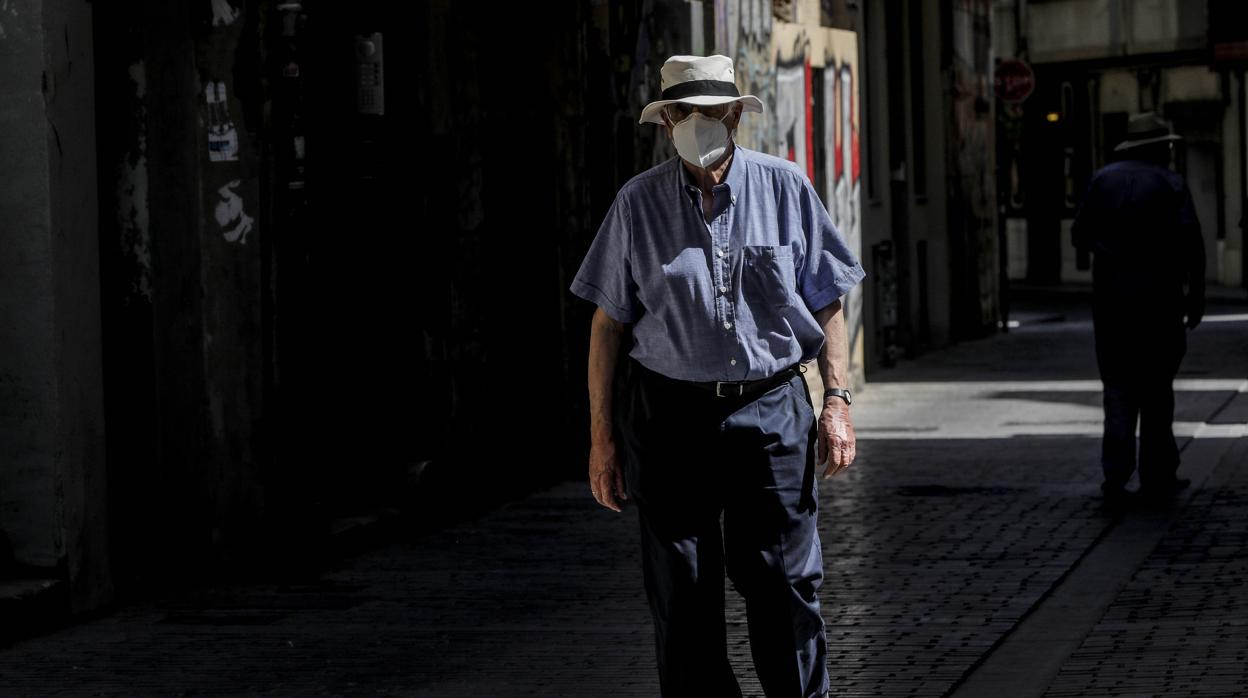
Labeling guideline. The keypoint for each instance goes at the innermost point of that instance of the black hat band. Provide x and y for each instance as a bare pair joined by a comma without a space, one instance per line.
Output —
702,88
1150,133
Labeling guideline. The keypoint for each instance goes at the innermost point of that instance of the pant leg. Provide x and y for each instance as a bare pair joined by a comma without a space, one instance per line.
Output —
684,579
1159,453
772,545
1117,350
671,477
1122,410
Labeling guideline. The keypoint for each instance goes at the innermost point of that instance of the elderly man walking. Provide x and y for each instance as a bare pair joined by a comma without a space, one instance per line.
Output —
721,273
1148,279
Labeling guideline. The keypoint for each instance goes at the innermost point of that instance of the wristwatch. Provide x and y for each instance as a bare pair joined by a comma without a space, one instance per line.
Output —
841,393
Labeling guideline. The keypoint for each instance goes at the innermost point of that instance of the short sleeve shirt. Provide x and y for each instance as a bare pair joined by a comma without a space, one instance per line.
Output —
729,300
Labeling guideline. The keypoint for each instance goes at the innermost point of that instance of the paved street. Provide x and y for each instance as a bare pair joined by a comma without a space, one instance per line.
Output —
967,553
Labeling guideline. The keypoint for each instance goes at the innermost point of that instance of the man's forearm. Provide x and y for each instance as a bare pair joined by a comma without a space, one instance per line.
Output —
834,358
605,336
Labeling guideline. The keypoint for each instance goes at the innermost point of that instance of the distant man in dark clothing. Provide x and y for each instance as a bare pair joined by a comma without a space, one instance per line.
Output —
1148,272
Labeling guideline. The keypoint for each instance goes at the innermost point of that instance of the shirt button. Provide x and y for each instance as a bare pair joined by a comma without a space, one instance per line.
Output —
734,198
719,252
723,289
727,325
732,362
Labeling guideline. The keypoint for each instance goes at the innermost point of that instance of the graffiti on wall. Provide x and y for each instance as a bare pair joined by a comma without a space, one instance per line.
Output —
222,136
228,184
223,14
230,216
133,222
743,30
816,121
842,171
793,109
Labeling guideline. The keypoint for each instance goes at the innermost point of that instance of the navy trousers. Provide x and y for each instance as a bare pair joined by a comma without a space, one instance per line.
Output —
689,457
1138,357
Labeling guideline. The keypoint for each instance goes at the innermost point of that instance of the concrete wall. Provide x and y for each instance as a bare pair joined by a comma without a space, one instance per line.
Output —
974,261
28,380
52,488
931,212
75,210
929,201
876,216
922,182
1065,30
1119,92
181,288
1230,252
230,285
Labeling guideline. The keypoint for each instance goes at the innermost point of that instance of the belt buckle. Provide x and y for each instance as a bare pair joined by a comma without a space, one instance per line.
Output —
719,387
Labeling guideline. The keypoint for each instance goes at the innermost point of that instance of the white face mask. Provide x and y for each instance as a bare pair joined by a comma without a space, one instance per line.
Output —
701,140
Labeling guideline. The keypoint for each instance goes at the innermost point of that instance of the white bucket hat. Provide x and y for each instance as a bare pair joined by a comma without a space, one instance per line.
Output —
700,80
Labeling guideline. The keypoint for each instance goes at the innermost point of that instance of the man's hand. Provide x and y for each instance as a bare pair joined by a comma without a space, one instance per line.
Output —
1195,311
836,437
606,477
836,430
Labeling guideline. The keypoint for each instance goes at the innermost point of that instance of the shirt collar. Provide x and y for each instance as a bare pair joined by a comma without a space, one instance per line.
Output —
736,173
735,181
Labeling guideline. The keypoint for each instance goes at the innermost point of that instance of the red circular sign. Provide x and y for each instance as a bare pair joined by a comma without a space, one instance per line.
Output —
1014,80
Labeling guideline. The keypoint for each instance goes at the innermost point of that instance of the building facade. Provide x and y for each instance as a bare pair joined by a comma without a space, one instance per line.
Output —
1097,62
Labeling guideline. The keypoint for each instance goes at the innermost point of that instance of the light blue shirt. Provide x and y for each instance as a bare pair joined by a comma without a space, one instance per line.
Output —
729,300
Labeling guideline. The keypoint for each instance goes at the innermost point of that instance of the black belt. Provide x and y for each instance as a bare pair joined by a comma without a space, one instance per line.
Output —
747,388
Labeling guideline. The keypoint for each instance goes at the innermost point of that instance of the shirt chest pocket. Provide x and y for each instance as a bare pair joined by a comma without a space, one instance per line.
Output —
767,275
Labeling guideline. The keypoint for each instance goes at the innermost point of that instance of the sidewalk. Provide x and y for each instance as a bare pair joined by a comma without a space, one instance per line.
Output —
1180,625
969,526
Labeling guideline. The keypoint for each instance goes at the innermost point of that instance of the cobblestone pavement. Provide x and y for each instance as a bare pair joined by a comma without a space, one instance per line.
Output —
974,494
937,549
1180,626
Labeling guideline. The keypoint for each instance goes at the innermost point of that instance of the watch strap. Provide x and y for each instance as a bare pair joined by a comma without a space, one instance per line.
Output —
839,392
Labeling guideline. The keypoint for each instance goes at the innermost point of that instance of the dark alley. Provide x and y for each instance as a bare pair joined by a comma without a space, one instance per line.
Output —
725,348
972,511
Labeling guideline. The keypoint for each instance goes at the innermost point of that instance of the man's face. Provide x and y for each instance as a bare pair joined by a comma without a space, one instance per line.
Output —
679,111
